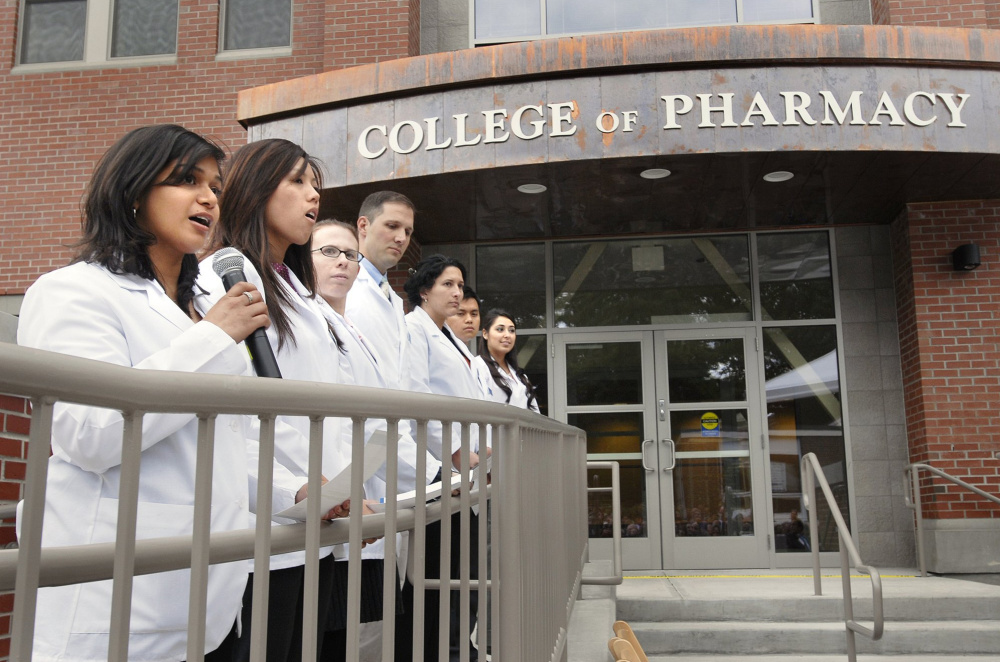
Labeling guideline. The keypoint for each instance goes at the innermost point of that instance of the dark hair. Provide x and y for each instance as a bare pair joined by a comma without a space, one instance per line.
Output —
511,358
256,171
372,206
353,229
469,293
425,274
122,179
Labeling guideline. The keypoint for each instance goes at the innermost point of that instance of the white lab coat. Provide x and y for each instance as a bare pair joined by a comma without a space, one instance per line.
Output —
360,365
313,357
84,310
382,323
518,391
435,364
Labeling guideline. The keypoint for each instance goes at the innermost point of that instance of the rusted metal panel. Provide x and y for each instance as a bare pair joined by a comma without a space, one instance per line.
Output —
773,45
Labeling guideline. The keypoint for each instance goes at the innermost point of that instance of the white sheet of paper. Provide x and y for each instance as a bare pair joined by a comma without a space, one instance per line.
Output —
338,489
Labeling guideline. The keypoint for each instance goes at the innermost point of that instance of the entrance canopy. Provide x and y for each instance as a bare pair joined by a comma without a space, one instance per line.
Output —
864,118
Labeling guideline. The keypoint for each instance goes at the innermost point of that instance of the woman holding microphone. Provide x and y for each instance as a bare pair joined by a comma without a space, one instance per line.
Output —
267,214
127,299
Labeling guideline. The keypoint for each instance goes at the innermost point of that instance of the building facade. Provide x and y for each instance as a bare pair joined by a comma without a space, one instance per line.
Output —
725,228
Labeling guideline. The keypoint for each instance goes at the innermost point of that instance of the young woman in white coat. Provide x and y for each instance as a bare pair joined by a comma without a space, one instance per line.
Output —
440,363
268,212
498,358
127,300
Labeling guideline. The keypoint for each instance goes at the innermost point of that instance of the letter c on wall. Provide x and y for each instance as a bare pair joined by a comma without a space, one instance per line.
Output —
363,142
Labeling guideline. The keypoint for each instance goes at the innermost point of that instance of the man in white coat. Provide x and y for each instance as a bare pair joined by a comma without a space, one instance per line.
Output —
385,224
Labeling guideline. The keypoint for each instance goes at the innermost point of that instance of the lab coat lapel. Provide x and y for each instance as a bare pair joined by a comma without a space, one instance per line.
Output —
157,298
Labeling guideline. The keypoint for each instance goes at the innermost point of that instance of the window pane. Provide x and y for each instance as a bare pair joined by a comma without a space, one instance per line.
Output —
656,281
795,277
144,27
573,16
760,11
604,373
53,30
803,416
706,370
497,19
713,497
513,278
632,480
258,24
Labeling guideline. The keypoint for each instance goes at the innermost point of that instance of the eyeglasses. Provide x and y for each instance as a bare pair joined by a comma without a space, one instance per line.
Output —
334,252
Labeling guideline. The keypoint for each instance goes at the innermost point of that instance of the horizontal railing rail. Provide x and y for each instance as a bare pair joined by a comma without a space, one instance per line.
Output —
911,495
812,472
536,497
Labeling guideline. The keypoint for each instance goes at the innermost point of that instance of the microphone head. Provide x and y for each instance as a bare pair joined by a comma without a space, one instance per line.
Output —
227,259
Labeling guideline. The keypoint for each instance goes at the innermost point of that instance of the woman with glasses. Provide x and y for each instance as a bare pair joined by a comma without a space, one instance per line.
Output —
336,259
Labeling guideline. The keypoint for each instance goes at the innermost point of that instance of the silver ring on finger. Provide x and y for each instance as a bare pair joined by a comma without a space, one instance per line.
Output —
249,296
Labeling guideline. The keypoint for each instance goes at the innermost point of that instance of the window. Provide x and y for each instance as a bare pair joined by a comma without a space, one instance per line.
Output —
507,20
144,27
95,32
53,30
250,24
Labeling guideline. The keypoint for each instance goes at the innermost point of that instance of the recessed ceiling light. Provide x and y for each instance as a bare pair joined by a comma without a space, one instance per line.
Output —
532,188
778,176
654,173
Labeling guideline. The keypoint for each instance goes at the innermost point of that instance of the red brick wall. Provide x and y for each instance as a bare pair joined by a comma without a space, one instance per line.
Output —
56,125
880,12
942,13
14,424
950,350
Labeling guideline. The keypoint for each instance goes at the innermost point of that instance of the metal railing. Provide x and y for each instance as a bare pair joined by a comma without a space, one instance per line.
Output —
616,524
812,472
537,497
911,495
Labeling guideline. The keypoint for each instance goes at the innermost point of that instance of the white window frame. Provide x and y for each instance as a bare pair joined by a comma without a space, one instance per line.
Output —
224,55
96,44
473,42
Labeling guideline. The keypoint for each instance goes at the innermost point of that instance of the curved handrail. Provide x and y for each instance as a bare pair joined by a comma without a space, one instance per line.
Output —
812,472
527,447
911,497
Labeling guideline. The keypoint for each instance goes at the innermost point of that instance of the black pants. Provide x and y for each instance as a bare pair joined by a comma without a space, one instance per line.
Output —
284,612
404,623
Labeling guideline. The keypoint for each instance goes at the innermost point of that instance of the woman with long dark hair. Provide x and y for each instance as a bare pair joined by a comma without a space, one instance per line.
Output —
267,214
127,299
498,356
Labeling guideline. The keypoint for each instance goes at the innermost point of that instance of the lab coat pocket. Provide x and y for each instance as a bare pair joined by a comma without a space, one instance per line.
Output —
159,601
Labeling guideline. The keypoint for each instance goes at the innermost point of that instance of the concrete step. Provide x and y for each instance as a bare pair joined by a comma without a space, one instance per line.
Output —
900,638
789,598
820,658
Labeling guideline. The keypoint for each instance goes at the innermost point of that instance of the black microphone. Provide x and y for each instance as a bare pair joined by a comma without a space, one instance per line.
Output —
228,264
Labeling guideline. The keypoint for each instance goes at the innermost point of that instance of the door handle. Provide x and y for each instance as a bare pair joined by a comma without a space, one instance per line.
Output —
673,454
642,450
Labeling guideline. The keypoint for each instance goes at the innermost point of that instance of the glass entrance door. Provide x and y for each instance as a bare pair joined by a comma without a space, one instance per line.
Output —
679,411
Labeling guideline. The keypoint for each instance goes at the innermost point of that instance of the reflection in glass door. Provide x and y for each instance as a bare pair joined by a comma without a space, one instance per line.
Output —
607,391
710,422
673,409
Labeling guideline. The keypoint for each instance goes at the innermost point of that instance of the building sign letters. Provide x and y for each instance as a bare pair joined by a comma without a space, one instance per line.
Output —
676,111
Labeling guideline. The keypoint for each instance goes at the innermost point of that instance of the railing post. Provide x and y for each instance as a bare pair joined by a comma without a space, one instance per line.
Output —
262,547
200,543
914,487
29,558
845,577
510,625
128,508
809,493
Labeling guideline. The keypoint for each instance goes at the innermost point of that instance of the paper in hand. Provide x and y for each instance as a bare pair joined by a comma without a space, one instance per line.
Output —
338,490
